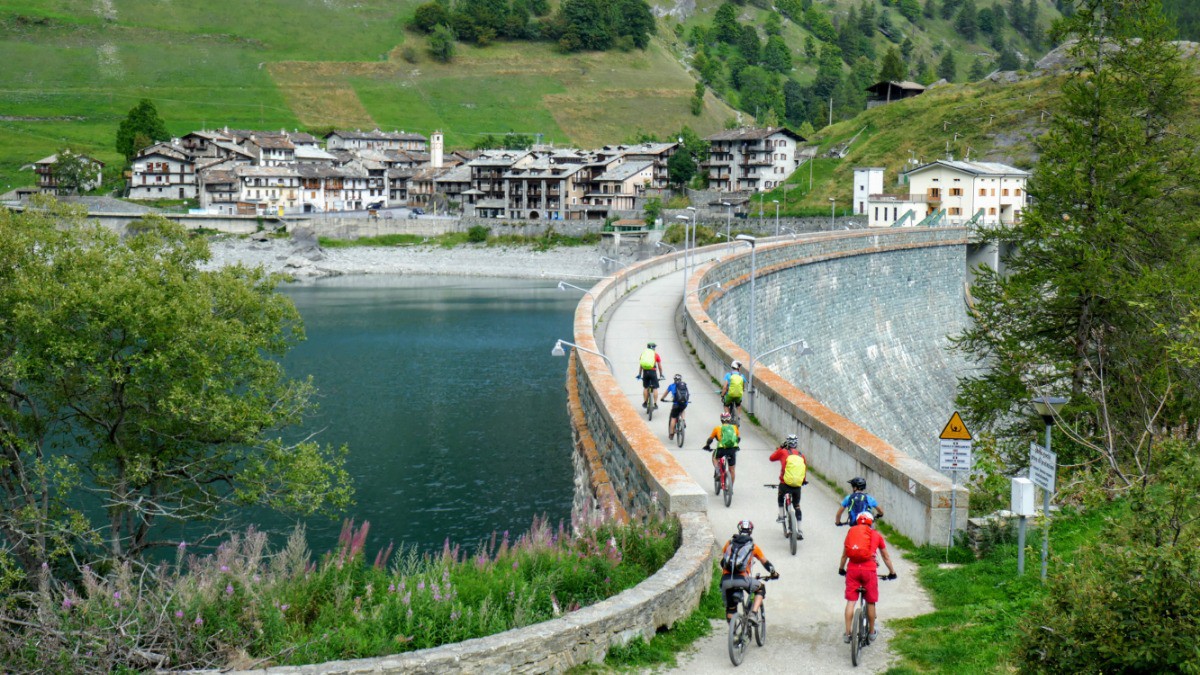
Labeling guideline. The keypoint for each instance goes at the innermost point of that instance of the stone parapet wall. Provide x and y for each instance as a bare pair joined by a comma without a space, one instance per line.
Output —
576,638
800,285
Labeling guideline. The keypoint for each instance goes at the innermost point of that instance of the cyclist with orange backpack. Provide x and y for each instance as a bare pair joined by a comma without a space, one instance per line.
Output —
737,559
860,569
793,471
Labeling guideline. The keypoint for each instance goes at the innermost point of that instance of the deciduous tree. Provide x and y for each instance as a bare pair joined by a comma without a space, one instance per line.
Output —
142,119
126,368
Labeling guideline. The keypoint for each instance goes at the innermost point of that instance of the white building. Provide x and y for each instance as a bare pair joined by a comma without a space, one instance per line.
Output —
751,159
988,193
163,171
868,181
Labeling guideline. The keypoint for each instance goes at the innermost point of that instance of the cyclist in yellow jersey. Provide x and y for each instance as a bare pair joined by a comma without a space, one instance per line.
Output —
728,438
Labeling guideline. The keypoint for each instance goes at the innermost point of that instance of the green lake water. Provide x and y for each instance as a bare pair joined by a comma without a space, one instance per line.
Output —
447,395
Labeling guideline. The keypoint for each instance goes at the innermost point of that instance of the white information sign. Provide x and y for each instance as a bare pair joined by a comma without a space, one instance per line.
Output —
1043,466
956,455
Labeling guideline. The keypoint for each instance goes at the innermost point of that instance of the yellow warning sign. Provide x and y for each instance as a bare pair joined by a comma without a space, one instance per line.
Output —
955,429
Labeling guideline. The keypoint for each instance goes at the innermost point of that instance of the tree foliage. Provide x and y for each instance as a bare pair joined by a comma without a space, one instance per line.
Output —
74,172
1100,294
127,369
141,128
441,43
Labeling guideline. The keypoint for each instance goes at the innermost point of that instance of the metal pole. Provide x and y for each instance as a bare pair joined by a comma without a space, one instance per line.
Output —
777,219
753,302
762,204
1046,515
953,504
832,208
728,225
1021,546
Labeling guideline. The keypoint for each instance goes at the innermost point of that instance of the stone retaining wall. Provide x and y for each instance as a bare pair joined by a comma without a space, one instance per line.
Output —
917,497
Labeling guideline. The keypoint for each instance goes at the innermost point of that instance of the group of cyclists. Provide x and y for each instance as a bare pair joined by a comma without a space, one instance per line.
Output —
862,544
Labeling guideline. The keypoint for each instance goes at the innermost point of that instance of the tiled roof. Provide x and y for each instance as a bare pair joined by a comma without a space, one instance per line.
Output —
752,134
625,171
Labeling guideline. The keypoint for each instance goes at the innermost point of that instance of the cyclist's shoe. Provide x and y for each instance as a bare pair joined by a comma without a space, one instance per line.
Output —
799,534
670,437
846,638
780,519
872,635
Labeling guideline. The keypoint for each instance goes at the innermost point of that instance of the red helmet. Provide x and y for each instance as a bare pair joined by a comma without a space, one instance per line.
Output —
745,527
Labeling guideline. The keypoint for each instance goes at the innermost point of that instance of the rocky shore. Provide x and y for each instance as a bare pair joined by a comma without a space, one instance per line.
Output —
303,259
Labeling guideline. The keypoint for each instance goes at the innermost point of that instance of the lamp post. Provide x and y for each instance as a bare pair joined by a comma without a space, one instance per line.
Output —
659,244
762,205
832,208
753,301
715,283
562,286
776,203
607,262
1047,407
728,221
685,219
557,350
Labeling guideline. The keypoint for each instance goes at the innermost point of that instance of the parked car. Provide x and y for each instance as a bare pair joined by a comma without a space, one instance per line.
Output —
418,211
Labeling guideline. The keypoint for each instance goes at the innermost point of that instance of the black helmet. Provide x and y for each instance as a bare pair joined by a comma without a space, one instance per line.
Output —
651,345
858,483
678,377
745,527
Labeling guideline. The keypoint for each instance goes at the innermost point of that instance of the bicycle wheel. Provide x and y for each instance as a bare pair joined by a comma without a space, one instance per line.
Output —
718,478
728,489
737,639
856,634
760,631
679,427
791,525
650,409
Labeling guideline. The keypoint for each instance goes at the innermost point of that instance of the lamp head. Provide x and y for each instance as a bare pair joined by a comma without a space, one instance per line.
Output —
682,217
750,239
561,287
558,349
805,350
1048,406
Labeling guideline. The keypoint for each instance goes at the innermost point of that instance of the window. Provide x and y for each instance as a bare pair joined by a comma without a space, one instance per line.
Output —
1004,192
993,192
935,193
956,192
992,211
1017,192
982,192
954,211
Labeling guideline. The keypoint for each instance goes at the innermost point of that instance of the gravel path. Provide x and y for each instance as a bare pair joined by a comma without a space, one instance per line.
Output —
305,260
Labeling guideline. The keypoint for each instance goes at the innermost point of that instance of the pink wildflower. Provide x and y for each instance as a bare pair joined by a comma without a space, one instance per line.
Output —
228,589
392,588
199,621
179,614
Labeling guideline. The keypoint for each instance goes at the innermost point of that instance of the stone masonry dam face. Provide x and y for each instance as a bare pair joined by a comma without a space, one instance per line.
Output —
877,324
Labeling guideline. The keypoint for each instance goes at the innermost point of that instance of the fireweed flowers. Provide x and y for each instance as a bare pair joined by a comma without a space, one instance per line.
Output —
288,607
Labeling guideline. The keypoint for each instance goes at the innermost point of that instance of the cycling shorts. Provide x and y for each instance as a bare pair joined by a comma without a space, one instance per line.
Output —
677,410
784,489
650,379
865,575
730,584
730,455
735,400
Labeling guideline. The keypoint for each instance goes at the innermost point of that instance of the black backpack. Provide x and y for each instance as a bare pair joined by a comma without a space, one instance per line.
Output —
681,393
741,547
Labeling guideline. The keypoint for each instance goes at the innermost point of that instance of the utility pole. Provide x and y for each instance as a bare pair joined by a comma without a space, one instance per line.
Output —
830,111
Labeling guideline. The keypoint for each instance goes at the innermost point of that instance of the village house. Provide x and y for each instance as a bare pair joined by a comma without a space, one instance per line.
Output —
889,92
753,160
986,193
48,180
163,171
375,140
658,154
619,187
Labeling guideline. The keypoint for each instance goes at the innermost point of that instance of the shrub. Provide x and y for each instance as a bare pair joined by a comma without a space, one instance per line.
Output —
478,234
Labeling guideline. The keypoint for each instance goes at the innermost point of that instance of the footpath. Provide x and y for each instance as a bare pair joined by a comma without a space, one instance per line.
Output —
805,606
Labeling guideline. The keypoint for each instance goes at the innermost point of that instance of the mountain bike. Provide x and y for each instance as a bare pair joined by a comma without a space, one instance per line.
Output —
791,527
860,635
722,481
745,622
680,425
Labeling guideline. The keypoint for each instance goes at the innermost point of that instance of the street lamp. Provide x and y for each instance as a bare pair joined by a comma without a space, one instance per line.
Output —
753,301
762,205
832,208
1048,408
607,261
715,283
558,351
728,221
562,286
659,244
776,203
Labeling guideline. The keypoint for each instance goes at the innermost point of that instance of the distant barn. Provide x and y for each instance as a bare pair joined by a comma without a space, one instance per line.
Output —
887,92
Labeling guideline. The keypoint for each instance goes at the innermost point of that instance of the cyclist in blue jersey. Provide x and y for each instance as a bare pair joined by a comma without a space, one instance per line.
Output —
857,502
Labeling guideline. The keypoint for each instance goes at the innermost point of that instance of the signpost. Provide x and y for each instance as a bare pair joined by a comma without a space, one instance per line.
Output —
955,456
1043,467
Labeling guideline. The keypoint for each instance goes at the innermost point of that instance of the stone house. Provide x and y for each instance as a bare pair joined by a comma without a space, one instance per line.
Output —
163,171
753,160
375,140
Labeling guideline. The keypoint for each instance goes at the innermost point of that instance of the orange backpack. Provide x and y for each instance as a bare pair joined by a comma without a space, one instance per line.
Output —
860,545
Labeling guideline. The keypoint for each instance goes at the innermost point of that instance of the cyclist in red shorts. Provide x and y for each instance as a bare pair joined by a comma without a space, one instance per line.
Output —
859,567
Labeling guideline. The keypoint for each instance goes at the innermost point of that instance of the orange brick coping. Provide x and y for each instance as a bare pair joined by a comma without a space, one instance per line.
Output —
601,486
817,415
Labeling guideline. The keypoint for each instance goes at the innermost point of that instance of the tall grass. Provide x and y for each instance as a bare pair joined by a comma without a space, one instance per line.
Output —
246,606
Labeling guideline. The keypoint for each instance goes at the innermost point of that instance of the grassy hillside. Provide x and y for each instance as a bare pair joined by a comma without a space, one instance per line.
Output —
74,68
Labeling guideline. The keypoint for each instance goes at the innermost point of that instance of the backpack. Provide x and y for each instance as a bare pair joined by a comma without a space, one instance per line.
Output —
736,557
729,437
681,394
736,382
858,504
794,469
647,360
860,545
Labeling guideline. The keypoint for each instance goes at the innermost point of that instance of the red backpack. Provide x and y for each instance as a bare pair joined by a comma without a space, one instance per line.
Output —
860,545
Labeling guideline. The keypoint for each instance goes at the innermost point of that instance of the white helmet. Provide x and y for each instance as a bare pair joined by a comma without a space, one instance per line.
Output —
736,365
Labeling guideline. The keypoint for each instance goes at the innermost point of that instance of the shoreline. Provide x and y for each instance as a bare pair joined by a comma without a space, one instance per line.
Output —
304,260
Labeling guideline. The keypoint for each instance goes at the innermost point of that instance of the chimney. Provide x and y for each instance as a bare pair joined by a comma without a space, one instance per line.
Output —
435,149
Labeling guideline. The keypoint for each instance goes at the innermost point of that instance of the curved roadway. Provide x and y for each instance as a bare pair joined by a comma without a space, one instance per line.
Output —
804,607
